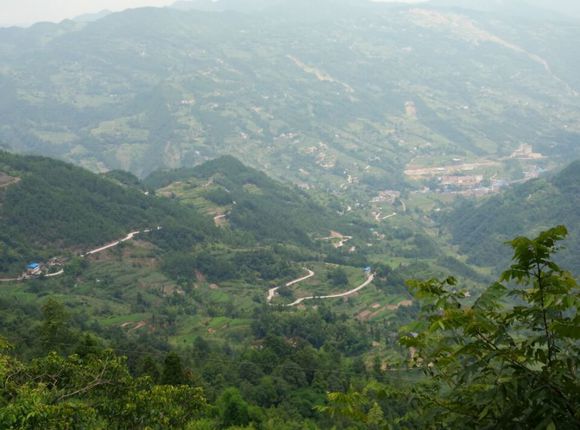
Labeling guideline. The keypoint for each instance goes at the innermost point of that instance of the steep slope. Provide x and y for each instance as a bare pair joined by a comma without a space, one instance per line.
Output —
479,229
48,207
309,91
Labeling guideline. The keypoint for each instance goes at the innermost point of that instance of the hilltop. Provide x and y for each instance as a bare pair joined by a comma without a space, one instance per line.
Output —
248,200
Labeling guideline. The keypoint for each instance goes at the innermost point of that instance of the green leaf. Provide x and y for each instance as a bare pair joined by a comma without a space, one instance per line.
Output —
568,330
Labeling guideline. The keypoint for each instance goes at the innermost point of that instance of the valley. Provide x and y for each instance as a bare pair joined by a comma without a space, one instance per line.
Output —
287,215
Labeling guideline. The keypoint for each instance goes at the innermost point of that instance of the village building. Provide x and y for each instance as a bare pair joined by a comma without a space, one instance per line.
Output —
526,152
33,269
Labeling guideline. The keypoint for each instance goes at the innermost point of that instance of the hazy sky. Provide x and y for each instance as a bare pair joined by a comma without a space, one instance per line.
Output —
14,12
24,12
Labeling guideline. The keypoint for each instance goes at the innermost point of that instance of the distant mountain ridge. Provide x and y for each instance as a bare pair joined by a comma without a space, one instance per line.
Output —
90,17
309,92
561,9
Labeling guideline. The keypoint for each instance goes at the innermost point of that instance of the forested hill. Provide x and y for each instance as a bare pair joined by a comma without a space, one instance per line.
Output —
252,202
47,206
480,229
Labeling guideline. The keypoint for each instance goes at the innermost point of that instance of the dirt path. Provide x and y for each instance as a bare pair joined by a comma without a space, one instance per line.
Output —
378,216
404,205
52,275
11,280
272,291
113,244
336,296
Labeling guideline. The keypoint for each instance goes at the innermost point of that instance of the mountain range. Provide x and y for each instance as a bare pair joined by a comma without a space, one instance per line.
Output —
314,93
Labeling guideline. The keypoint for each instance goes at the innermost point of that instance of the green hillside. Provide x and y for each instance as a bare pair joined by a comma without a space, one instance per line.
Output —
49,208
291,215
480,228
249,201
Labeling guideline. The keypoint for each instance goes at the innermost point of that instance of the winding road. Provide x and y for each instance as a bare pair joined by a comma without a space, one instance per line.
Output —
379,218
370,279
113,244
272,291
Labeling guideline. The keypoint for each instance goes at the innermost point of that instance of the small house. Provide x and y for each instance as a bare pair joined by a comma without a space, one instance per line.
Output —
33,269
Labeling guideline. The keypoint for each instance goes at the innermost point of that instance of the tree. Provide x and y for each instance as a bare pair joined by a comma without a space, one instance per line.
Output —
504,365
375,417
201,347
55,332
233,409
148,367
88,345
338,277
97,391
172,370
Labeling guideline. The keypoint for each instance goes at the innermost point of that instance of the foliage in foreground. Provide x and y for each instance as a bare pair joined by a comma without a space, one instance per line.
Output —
91,392
508,360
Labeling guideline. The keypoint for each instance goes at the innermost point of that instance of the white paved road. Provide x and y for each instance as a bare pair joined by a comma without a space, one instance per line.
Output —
336,296
272,291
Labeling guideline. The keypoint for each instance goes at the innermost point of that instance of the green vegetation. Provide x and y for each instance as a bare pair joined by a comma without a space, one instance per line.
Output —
56,207
376,117
186,307
480,228
486,363
252,202
90,390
